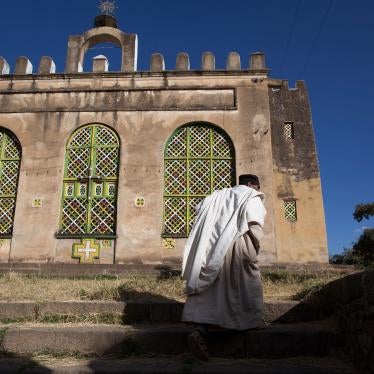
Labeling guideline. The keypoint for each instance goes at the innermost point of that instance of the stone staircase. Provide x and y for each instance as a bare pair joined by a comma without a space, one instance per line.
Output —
147,337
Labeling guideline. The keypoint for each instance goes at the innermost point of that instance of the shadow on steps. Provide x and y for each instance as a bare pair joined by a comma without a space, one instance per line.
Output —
12,363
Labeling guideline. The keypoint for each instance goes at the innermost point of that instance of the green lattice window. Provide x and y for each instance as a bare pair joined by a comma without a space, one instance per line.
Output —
290,213
198,159
10,158
89,198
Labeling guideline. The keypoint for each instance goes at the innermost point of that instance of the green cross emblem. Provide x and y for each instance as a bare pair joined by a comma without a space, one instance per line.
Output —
86,251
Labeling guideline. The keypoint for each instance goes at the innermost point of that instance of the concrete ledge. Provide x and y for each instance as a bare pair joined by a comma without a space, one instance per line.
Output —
275,342
86,270
81,307
15,310
121,100
29,309
79,270
131,312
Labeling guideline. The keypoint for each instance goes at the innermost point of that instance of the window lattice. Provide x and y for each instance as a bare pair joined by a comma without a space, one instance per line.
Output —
198,159
10,157
290,210
288,131
90,182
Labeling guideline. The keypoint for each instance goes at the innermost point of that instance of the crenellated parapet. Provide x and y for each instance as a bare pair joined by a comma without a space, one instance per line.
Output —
208,63
100,63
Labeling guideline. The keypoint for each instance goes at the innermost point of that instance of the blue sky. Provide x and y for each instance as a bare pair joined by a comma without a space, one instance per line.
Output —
327,43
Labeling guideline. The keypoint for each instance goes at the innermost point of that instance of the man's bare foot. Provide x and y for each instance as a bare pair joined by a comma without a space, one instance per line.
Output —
197,345
261,326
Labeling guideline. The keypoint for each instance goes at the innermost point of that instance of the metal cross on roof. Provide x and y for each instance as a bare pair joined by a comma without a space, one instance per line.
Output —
108,7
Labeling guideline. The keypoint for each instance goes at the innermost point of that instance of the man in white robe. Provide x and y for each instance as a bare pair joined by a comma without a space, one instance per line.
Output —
220,263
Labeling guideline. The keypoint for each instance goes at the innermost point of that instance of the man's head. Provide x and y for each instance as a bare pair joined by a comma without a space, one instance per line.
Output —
250,180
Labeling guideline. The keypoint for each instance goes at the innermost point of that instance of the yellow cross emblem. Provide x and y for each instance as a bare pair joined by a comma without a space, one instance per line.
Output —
86,251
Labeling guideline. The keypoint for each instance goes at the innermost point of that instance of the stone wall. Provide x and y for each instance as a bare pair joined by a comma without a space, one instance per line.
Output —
43,113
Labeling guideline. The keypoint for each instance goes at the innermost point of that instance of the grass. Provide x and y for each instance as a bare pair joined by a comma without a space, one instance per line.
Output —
277,284
2,335
85,318
280,284
19,287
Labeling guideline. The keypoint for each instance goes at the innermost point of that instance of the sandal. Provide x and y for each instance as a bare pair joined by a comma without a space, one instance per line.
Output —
198,346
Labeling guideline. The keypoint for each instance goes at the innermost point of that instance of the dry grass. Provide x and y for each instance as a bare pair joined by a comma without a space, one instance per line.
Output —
17,287
282,285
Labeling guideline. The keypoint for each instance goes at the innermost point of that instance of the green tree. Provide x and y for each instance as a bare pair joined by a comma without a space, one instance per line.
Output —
363,211
345,258
362,252
363,249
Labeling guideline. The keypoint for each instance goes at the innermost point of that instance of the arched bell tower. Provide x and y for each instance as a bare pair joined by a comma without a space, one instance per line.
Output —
105,30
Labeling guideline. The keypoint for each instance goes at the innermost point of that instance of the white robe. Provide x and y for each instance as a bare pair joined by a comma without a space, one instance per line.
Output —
222,218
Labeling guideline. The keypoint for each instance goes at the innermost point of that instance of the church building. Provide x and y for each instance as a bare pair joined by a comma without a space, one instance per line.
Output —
107,167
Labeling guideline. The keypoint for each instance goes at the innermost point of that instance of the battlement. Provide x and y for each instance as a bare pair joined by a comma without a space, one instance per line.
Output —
282,86
100,64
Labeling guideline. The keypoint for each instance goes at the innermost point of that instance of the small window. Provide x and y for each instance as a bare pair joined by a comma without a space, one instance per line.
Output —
288,131
82,189
290,210
111,189
98,189
69,189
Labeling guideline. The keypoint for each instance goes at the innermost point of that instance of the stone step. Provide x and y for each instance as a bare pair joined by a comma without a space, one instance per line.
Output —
87,270
78,270
130,312
277,341
179,364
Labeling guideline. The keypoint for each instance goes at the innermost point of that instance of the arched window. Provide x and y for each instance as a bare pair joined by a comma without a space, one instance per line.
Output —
198,159
10,158
89,195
